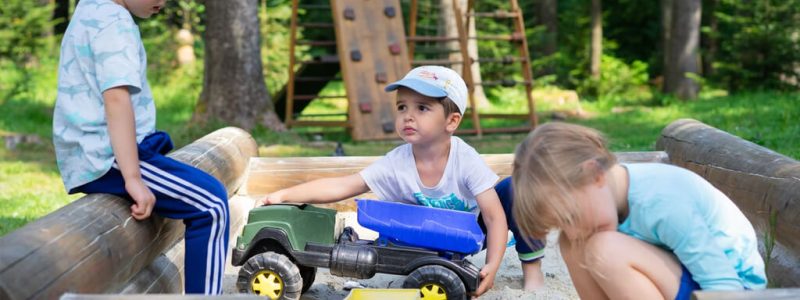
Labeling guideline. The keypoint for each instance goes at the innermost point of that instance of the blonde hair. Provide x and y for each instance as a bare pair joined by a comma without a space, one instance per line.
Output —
551,163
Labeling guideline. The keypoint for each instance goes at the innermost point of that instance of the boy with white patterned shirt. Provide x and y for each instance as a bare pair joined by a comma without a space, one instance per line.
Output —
105,138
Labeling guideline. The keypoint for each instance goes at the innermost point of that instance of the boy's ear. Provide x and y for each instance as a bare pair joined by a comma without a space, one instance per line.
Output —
453,120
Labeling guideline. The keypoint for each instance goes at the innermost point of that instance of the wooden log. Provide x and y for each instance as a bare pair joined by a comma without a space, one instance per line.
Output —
764,184
164,275
269,174
92,245
770,294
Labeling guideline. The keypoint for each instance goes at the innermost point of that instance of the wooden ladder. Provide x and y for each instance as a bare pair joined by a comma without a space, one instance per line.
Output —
311,74
517,37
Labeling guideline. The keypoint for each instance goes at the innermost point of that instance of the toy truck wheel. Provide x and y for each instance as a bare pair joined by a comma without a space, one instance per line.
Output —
436,283
308,274
272,275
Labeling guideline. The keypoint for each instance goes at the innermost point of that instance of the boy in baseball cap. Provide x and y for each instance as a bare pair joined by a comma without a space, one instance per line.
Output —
433,168
446,86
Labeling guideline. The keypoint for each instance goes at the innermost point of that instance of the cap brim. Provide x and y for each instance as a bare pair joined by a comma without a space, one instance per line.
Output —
418,86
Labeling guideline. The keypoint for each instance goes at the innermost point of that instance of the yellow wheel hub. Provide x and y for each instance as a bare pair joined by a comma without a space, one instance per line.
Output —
432,291
267,283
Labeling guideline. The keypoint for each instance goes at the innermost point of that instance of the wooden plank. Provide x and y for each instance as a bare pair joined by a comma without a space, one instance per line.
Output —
770,294
764,184
92,245
269,174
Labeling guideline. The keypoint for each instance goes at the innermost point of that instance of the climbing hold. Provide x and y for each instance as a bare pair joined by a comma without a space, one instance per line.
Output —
365,107
381,77
517,37
388,127
355,55
394,48
349,14
389,11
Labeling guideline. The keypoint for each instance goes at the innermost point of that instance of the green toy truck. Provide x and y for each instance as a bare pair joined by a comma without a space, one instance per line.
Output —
282,246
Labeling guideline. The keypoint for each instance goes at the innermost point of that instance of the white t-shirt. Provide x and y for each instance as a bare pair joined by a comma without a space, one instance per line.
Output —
395,178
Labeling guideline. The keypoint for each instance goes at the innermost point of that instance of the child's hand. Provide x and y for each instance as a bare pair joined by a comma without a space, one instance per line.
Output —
487,280
274,198
143,199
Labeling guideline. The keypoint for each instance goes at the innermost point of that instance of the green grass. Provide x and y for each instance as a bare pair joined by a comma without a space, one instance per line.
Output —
765,118
32,186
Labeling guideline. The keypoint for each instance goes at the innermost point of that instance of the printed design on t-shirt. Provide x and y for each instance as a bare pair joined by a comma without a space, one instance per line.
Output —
447,202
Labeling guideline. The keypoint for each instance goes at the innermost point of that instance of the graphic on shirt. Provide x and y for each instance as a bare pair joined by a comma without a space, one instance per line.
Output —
446,202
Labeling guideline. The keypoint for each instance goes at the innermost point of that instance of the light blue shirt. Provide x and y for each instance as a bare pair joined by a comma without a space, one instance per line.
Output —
101,49
678,210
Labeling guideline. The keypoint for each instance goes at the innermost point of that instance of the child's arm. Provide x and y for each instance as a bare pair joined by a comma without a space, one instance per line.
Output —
496,237
122,132
325,190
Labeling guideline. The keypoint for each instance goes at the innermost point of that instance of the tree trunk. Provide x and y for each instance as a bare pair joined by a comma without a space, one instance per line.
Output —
597,38
234,90
666,30
683,48
547,16
448,26
710,41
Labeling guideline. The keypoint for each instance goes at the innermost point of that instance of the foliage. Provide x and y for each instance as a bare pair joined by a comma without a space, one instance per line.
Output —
275,43
619,83
25,29
159,36
635,27
573,41
26,34
759,44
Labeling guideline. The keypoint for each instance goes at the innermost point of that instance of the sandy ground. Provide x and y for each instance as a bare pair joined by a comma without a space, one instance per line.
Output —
508,283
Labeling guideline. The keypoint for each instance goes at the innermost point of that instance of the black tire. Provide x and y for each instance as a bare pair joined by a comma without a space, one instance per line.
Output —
270,268
308,274
435,279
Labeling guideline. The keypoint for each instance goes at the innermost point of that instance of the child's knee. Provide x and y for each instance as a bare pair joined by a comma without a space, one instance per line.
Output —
602,250
218,190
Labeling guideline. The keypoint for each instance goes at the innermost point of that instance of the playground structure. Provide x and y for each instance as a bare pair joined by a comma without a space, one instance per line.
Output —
372,49
92,246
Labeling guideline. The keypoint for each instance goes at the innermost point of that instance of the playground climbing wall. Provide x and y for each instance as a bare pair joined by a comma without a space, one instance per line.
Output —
372,52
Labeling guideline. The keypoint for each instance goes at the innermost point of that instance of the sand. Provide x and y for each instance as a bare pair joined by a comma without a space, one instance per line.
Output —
508,283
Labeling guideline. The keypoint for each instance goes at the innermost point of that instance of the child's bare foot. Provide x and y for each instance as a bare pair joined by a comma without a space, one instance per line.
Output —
533,279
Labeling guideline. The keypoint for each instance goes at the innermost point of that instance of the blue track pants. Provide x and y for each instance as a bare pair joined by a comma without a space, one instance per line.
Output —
182,192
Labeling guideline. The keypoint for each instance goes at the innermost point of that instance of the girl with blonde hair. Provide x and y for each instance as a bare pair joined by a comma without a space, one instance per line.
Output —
644,230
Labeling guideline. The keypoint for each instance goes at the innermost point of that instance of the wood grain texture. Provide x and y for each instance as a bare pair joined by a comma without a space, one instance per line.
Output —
92,245
770,294
371,33
764,184
269,174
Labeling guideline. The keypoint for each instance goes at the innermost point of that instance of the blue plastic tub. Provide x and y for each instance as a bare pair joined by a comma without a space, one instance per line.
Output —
422,226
